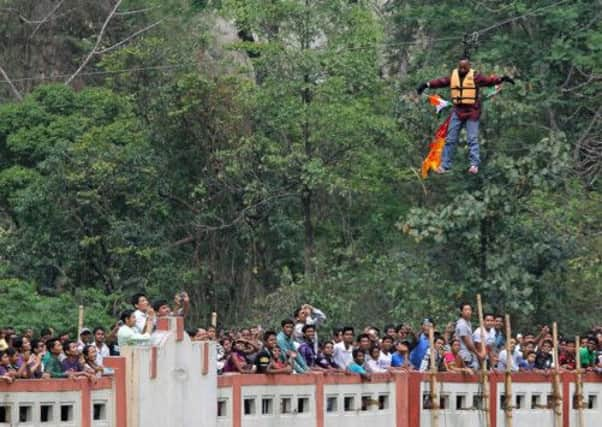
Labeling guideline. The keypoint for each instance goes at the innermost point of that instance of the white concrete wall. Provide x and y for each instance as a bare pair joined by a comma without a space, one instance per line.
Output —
224,401
180,395
592,396
106,408
276,406
461,405
34,402
354,414
533,410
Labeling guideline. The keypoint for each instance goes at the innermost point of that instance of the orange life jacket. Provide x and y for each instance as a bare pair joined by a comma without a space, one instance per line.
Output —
463,91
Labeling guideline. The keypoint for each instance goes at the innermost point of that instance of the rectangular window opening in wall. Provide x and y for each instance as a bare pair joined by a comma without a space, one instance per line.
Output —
45,413
426,401
4,414
99,411
267,406
332,404
249,406
66,413
302,405
286,405
383,402
502,401
550,401
575,402
366,402
520,401
536,401
25,414
349,403
222,408
592,401
477,401
444,401
460,401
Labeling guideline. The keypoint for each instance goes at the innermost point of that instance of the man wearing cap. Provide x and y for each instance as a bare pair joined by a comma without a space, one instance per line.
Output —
85,338
422,344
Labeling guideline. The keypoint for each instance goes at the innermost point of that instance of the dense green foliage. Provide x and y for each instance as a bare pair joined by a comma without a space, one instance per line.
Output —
262,153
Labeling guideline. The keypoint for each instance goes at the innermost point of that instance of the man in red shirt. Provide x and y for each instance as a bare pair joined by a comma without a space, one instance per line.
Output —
464,84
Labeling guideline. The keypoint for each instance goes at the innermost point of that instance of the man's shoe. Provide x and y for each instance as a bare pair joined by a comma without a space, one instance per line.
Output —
473,170
440,170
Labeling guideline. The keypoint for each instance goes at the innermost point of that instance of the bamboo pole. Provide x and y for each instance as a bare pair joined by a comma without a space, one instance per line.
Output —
80,321
484,373
579,384
434,393
556,383
508,376
214,319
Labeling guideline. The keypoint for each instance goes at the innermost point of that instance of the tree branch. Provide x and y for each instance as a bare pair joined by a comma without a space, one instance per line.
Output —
10,83
128,38
133,12
46,18
98,40
183,241
242,214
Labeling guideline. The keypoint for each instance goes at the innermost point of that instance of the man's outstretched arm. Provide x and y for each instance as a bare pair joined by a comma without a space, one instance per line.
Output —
434,84
482,80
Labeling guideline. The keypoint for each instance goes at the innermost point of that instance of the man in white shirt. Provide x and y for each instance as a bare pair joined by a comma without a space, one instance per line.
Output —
307,315
343,351
515,358
488,332
384,360
128,334
102,349
143,312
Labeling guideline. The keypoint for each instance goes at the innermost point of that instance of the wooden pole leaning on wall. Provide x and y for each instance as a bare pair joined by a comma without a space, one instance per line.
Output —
508,406
578,385
484,372
434,386
556,383
80,321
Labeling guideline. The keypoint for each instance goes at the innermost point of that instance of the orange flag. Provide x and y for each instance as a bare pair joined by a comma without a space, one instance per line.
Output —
433,159
438,102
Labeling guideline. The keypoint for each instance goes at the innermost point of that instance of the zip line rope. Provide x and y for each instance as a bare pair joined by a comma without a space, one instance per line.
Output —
168,67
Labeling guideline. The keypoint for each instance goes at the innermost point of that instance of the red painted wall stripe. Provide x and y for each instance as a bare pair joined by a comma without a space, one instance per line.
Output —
414,398
493,400
319,400
163,324
236,401
86,402
205,359
401,401
120,397
179,328
566,399
153,363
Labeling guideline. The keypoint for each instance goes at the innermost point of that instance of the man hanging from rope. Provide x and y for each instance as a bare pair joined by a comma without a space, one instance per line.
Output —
464,83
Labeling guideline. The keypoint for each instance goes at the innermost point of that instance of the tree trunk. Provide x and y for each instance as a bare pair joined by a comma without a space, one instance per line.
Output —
308,253
483,250
306,196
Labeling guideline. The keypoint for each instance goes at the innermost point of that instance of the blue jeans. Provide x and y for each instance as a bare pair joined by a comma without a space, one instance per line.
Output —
453,134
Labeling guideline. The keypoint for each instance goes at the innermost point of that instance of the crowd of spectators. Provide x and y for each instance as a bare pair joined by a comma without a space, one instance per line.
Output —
58,355
296,349
458,347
